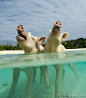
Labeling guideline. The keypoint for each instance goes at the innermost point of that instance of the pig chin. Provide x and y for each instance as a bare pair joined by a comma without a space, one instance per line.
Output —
19,38
55,31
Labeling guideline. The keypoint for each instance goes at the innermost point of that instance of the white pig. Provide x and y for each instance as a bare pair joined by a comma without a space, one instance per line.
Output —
54,45
30,44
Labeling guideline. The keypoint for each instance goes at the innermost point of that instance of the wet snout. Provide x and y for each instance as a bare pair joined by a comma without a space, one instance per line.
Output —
56,28
20,28
22,35
58,24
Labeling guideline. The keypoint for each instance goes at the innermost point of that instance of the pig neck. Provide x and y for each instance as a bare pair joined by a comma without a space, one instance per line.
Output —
35,49
54,45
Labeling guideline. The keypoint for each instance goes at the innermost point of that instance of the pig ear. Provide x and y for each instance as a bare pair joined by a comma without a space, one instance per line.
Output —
40,40
34,38
64,36
29,34
49,32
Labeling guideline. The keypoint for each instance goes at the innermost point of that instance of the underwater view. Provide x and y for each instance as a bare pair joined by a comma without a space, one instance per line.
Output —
71,85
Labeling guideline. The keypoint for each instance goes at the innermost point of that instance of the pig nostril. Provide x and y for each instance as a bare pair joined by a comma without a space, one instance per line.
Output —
55,23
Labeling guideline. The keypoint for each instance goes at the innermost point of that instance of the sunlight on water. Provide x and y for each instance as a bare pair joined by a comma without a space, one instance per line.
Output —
71,87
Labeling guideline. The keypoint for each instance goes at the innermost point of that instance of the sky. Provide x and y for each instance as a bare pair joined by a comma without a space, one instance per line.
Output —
38,16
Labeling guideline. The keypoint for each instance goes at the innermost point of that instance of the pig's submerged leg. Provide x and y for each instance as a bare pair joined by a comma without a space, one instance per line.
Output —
58,77
72,67
41,74
63,75
45,77
30,74
34,75
16,73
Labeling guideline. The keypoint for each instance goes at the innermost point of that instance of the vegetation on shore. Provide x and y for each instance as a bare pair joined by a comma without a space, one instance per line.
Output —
74,44
10,47
69,44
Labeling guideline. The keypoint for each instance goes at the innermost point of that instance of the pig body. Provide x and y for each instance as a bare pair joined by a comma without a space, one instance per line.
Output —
54,45
30,44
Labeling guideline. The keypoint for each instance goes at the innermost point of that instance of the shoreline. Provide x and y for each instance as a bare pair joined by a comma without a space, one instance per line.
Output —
3,52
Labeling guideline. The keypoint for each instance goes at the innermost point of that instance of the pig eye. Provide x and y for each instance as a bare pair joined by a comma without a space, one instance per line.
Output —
18,26
21,27
56,22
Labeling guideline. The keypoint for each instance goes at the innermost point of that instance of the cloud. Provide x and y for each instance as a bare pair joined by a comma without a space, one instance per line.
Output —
39,16
9,41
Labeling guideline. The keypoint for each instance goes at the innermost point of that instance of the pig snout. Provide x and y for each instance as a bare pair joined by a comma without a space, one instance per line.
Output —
58,24
57,28
20,28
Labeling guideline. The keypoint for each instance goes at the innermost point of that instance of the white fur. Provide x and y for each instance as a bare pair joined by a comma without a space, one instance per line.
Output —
54,45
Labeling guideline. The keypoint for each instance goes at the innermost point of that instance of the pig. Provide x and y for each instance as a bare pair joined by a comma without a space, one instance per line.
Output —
54,45
30,44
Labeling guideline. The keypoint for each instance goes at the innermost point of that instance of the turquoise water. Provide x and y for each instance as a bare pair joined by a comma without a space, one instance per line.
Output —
70,88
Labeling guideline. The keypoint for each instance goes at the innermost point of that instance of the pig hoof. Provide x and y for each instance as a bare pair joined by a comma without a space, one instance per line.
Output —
48,85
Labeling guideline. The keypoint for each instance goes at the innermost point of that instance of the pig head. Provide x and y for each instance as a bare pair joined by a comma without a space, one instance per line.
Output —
29,43
54,39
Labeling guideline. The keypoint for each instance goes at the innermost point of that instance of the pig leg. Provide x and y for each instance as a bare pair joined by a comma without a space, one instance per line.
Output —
72,66
45,76
40,74
16,73
34,76
30,74
58,77
63,75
